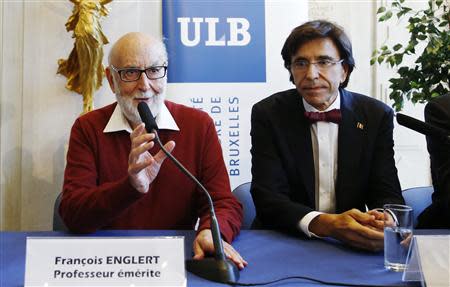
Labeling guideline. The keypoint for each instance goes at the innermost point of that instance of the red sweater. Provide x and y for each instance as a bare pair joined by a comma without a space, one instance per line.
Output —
98,195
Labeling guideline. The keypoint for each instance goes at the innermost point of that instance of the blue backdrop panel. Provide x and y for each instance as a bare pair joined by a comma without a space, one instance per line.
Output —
215,41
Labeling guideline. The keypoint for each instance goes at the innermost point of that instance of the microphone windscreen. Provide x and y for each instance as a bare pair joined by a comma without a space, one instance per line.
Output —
420,127
412,123
147,117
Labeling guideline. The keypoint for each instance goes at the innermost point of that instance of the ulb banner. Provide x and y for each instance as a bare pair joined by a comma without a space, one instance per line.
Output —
229,33
224,56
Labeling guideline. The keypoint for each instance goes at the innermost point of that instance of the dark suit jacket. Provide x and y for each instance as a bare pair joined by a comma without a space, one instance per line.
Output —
283,166
437,215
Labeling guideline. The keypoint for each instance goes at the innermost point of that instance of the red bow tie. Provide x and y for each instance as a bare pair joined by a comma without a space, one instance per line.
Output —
333,116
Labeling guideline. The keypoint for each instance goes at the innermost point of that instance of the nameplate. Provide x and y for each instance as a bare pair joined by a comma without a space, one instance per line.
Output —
105,261
429,260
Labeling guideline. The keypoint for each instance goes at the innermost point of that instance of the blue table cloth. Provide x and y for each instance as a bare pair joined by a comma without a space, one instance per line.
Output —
271,255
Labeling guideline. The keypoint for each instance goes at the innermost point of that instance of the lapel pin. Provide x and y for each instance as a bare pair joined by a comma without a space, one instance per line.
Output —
360,126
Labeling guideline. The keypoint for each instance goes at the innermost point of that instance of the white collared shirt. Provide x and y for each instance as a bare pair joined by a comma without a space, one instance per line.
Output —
324,139
118,121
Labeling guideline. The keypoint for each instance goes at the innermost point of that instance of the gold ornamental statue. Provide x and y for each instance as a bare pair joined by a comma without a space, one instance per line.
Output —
84,69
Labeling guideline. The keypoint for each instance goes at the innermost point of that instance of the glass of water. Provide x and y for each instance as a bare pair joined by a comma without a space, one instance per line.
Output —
398,227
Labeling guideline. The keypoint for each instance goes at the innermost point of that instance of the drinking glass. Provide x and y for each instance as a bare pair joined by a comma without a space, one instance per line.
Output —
398,231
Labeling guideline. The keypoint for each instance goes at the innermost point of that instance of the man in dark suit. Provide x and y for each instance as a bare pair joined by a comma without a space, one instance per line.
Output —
437,215
314,172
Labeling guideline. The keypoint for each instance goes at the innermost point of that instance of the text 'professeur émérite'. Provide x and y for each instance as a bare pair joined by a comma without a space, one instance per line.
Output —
133,267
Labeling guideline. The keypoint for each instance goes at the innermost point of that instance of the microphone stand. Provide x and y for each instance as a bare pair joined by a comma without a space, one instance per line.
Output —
218,269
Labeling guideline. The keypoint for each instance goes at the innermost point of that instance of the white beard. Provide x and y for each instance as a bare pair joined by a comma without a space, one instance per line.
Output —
129,106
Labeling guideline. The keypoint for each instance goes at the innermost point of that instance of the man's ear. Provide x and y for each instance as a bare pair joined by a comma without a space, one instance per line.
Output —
345,72
109,76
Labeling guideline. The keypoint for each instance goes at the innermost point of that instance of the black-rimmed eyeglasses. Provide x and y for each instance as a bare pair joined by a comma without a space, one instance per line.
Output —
133,74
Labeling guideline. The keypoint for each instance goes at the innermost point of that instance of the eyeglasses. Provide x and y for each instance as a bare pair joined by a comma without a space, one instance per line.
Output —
321,65
133,74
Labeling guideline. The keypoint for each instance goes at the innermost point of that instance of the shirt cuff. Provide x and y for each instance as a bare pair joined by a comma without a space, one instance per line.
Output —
306,220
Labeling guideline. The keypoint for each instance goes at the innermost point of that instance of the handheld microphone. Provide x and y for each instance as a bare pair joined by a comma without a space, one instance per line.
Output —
218,269
422,127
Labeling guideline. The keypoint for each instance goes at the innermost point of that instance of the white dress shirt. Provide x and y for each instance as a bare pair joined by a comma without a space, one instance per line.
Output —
324,140
118,122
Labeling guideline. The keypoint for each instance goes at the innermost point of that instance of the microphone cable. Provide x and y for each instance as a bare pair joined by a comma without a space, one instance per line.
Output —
313,280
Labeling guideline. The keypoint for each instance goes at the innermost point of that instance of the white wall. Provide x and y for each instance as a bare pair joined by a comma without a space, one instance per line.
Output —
412,157
37,111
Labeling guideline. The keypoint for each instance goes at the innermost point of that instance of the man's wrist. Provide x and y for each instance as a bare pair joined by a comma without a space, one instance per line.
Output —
320,225
303,225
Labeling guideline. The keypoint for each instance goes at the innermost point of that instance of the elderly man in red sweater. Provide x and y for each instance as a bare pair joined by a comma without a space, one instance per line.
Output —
116,178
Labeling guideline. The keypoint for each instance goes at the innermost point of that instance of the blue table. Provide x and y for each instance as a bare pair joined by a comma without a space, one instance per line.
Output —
271,255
